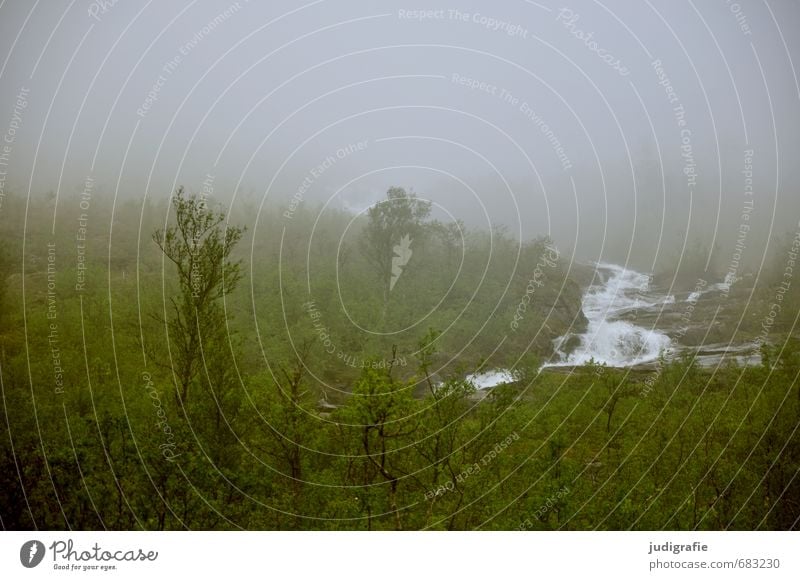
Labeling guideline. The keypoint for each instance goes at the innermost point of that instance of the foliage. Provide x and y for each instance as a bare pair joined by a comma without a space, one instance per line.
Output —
280,431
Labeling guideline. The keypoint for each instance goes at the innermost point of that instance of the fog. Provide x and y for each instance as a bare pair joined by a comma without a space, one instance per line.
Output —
622,130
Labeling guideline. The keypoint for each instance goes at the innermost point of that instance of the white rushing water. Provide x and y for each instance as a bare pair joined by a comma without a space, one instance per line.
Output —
608,339
718,287
612,304
489,379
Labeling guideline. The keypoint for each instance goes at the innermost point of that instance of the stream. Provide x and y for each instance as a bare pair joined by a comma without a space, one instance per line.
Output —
630,325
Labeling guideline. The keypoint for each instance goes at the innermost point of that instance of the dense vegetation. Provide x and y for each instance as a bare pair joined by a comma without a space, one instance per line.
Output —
307,372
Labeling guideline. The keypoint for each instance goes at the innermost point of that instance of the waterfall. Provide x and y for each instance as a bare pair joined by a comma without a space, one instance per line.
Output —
609,339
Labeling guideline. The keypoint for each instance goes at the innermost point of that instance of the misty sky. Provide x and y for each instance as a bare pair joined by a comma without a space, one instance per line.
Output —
596,123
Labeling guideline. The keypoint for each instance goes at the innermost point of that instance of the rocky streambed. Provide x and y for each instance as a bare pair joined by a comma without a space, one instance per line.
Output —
632,322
